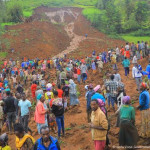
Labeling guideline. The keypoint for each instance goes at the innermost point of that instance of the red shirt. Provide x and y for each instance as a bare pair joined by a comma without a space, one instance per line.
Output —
33,87
51,102
60,93
78,71
1,84
97,57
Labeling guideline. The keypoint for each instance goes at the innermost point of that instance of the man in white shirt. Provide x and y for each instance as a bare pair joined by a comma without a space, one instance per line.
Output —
117,76
127,47
117,54
137,75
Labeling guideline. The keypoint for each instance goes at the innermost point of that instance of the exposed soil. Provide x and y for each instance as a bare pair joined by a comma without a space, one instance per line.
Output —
66,35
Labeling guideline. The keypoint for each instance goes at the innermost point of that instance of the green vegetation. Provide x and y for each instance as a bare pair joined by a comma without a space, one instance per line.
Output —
27,40
85,2
5,42
114,17
27,13
3,55
134,39
125,16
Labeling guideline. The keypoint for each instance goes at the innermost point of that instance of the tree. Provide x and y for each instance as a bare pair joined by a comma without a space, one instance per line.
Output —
15,12
102,4
114,18
131,24
141,12
129,8
99,4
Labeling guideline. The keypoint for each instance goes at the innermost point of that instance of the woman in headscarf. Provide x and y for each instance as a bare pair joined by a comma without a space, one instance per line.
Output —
128,135
97,95
73,93
41,110
49,92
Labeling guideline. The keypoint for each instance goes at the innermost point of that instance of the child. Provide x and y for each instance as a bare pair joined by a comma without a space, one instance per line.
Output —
52,123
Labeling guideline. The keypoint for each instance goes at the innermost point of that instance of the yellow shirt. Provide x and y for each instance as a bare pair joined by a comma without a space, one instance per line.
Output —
5,148
98,119
114,59
52,95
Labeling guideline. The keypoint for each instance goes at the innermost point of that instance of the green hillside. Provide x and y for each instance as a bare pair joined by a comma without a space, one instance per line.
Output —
113,17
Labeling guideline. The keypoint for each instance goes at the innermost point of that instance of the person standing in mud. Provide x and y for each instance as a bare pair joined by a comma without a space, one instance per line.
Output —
98,126
86,35
128,135
88,103
113,87
83,72
144,101
25,112
148,73
10,110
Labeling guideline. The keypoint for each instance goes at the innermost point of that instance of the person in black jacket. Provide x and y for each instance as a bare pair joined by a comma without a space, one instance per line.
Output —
58,111
10,110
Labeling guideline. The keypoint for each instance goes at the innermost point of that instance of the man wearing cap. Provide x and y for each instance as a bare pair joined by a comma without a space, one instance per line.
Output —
144,101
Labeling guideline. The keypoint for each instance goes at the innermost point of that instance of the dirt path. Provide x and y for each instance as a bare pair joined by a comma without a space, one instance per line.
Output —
59,17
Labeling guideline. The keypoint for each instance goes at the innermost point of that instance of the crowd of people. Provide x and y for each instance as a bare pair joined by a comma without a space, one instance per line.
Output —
27,86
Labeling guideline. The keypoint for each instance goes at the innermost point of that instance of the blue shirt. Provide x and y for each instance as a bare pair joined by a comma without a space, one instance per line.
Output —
144,100
126,63
98,96
148,70
24,106
23,64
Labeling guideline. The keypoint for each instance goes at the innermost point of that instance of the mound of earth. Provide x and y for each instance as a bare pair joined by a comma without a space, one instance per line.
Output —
55,32
37,39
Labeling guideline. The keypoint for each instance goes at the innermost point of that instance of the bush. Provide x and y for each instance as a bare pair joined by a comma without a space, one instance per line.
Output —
141,32
115,36
15,13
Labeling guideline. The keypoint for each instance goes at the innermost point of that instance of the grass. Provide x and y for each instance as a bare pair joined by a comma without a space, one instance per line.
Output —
6,42
27,14
134,39
7,23
26,40
85,2
92,13
3,55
